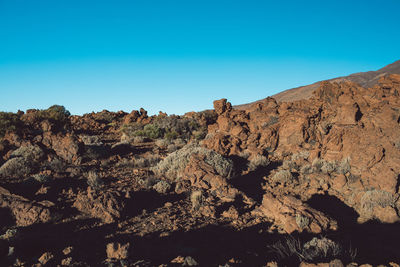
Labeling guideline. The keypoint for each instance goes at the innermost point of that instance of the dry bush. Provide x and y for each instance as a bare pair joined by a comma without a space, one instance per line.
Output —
41,178
374,198
328,167
91,140
30,153
282,176
179,142
162,187
16,167
125,163
145,162
94,180
163,143
244,154
301,155
23,161
196,198
173,166
315,250
258,161
172,148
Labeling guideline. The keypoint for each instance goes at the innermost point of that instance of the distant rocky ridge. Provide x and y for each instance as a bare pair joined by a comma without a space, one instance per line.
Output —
364,79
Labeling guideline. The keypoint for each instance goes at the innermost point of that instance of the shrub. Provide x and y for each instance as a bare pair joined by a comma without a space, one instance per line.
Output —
41,178
125,163
327,167
272,120
302,221
55,113
23,161
163,143
373,198
173,166
162,187
175,126
30,153
200,134
9,122
257,162
16,167
315,250
179,142
150,131
300,155
130,129
196,198
145,162
282,176
94,180
306,169
170,135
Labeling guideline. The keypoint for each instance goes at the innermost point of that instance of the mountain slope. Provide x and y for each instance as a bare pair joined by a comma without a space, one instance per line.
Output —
365,79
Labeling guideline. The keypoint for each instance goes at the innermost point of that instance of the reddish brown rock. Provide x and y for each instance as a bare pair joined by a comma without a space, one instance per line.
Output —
117,251
25,212
107,206
293,215
222,106
66,147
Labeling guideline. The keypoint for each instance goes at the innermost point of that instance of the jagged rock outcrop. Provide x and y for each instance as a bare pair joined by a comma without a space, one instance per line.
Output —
107,206
341,121
25,212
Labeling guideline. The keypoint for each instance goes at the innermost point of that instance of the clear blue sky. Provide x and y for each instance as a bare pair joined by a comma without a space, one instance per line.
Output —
179,56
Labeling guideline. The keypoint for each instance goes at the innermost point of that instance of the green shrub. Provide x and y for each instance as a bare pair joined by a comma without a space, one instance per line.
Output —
55,113
9,122
150,131
170,135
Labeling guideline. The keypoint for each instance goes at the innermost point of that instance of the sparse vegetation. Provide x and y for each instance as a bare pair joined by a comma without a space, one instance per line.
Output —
9,122
196,198
41,178
173,165
162,187
282,176
94,180
272,120
145,162
258,161
302,221
315,250
373,198
23,161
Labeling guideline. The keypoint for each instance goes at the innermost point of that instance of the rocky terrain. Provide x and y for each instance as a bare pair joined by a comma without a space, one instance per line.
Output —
313,182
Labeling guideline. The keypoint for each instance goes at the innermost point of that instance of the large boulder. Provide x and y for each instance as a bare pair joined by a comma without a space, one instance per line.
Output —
107,206
24,211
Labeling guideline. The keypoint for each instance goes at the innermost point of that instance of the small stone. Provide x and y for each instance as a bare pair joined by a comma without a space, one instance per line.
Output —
189,261
66,261
178,260
117,251
46,257
67,250
168,204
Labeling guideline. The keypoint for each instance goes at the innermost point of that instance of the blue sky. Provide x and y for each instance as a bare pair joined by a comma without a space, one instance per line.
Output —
179,56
